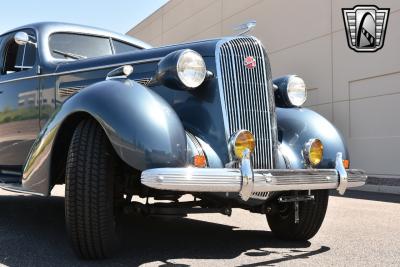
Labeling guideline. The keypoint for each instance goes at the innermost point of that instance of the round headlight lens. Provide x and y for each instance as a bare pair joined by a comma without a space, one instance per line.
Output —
191,69
296,90
240,141
313,152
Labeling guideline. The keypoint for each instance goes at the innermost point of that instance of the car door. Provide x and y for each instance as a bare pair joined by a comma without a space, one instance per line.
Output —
19,101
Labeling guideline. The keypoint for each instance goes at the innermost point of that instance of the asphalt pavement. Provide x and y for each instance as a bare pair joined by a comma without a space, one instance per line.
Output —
360,230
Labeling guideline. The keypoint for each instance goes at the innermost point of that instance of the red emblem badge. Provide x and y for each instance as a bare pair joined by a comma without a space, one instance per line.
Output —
250,62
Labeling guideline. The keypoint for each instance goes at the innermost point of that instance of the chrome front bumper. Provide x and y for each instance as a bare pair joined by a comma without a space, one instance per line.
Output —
247,181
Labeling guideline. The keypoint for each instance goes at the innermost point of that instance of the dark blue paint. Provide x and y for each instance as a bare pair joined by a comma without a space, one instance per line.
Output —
146,125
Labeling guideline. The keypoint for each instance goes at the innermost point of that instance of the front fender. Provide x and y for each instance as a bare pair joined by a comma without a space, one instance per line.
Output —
298,125
143,129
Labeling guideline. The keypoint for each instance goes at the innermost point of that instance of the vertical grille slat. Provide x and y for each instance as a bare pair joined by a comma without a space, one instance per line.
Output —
262,107
245,95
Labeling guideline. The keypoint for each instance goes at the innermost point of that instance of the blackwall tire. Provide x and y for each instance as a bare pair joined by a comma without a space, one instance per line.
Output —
311,215
89,192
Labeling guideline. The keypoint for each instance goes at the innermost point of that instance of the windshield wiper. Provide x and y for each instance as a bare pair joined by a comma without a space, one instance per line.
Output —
70,55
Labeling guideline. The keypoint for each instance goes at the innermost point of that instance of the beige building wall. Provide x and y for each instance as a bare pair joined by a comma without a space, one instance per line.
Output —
358,92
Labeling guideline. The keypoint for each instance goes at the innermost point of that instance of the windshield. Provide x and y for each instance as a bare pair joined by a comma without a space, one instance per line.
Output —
78,46
73,46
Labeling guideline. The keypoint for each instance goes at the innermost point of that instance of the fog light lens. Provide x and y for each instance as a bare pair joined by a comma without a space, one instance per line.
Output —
313,152
240,141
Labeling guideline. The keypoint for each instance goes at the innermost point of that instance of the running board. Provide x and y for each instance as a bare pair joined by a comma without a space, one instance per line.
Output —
17,188
10,178
12,181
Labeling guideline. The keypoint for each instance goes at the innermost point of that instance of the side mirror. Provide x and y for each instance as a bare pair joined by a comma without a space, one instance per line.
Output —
22,38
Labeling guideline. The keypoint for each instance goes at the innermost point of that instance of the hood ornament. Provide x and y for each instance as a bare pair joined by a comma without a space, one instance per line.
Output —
245,27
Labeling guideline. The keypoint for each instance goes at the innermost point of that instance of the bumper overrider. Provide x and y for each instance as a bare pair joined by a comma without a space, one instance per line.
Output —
245,180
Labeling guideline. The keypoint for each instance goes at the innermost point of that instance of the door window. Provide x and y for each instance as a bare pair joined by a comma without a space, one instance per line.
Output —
121,47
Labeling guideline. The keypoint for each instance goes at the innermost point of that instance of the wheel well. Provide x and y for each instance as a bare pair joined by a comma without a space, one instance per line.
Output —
60,153
61,146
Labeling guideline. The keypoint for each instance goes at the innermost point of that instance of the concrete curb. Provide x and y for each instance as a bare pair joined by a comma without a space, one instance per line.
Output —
381,185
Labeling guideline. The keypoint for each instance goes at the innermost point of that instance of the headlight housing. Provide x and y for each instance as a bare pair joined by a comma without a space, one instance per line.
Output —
183,69
241,140
290,91
191,68
313,152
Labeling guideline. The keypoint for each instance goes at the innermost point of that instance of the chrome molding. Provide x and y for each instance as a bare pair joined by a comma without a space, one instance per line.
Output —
220,86
245,96
143,81
196,143
285,157
143,61
67,91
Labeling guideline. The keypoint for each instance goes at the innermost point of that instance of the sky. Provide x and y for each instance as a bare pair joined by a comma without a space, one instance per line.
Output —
115,15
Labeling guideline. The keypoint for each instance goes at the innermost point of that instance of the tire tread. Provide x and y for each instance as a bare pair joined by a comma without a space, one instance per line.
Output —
89,197
311,216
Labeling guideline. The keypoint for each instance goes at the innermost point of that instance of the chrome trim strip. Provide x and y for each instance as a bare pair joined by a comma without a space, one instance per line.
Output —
142,61
221,93
268,104
67,91
143,81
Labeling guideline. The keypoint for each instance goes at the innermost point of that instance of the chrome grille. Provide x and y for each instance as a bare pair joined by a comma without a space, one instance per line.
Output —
247,103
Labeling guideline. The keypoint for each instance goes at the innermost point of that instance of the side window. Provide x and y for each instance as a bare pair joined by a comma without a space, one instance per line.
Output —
121,47
18,57
78,46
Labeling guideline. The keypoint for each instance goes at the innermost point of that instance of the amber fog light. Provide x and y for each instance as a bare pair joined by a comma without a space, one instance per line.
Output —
241,140
313,152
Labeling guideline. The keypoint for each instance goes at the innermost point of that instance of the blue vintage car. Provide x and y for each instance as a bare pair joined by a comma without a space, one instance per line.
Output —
111,118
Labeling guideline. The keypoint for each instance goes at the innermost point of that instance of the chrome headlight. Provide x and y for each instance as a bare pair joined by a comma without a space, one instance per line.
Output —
296,91
290,91
191,69
183,69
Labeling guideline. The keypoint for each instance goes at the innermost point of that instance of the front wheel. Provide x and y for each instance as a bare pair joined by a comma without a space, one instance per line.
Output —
90,192
311,215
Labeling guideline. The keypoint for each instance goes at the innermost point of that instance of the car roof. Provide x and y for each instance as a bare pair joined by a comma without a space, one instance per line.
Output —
51,27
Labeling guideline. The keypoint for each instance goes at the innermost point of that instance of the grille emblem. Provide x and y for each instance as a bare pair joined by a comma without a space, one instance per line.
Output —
250,62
